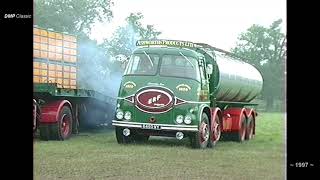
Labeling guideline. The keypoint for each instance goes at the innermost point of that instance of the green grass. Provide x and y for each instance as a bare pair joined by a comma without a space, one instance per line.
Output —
96,155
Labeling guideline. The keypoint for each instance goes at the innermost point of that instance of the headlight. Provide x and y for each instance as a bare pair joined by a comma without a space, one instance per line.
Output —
127,115
119,115
179,119
187,119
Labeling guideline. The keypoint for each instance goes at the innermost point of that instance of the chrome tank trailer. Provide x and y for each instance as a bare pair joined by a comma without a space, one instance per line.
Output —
238,81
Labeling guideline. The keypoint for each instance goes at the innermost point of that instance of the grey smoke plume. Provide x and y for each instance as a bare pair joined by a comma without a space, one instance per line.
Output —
96,71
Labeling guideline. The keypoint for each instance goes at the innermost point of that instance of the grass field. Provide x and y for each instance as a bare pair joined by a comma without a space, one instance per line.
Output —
96,155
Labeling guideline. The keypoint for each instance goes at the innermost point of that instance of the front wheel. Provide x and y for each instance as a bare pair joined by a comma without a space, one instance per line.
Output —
200,139
215,133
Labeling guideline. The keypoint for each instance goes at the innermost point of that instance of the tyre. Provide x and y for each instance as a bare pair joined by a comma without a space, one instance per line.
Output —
200,139
215,136
249,128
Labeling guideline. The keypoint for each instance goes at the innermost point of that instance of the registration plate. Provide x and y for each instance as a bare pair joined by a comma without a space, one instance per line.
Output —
151,126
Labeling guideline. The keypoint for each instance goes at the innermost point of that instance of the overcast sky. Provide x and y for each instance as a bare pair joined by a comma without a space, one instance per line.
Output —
215,22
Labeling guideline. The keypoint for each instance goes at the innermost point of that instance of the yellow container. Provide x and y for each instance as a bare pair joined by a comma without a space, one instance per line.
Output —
73,75
73,45
52,67
44,72
43,79
58,36
66,81
58,74
43,54
73,69
73,52
44,40
51,80
36,79
52,48
52,41
73,82
36,39
66,44
58,67
73,59
36,31
59,81
36,53
52,74
66,75
51,34
58,42
44,33
58,49
58,56
73,87
36,65
72,39
66,58
44,47
36,45
43,65
66,68
36,72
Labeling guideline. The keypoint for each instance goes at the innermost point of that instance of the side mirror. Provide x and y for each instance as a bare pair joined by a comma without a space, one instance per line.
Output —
209,69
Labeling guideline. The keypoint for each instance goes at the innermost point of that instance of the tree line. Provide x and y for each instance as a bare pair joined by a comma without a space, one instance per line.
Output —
264,47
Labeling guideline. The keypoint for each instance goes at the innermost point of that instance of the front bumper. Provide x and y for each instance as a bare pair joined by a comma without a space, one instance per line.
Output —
167,127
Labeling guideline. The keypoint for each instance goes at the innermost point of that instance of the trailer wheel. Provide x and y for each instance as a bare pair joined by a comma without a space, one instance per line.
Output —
121,139
242,131
249,129
200,139
61,130
216,133
36,118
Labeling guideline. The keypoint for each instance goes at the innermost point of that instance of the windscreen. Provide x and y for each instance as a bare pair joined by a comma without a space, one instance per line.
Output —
142,64
179,66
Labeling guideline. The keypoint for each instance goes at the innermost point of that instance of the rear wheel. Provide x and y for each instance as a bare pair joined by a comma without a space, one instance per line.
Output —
61,130
238,136
249,129
200,139
36,117
242,131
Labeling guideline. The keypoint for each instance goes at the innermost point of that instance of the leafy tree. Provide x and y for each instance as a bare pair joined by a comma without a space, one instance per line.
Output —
265,47
124,38
72,16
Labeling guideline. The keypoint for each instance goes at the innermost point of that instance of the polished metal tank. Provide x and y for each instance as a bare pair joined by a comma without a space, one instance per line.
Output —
238,81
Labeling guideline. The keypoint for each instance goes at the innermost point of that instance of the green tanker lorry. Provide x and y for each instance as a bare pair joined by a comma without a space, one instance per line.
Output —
183,89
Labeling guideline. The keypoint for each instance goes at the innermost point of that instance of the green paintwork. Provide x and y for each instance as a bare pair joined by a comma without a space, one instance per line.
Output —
51,89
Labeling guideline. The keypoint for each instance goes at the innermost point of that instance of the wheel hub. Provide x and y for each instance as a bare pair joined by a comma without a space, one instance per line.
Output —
204,132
